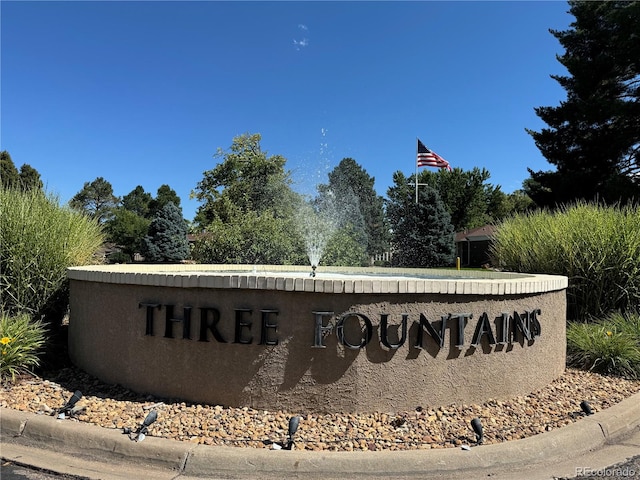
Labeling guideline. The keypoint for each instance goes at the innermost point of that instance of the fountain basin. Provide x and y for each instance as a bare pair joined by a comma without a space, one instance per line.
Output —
351,340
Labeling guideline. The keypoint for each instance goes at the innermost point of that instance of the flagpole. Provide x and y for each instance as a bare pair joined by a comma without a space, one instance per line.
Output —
416,180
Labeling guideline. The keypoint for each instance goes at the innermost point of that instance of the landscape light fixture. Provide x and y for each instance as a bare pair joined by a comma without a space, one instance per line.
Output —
68,408
294,422
477,428
586,408
143,429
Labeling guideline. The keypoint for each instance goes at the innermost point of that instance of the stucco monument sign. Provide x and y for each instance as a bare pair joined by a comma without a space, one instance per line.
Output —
351,340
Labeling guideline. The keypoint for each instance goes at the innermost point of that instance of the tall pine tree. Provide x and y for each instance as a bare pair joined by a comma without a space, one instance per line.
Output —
593,137
96,199
353,188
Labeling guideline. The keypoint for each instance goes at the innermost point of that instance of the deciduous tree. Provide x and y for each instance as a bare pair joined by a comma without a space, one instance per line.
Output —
127,230
245,179
247,195
468,198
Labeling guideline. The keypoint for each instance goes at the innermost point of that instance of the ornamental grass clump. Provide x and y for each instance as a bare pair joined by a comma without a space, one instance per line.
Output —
595,246
21,340
40,239
611,345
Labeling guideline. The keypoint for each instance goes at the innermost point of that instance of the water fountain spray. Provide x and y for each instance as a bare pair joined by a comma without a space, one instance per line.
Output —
317,223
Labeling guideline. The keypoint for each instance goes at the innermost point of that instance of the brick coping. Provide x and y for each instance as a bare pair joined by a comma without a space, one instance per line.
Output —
378,280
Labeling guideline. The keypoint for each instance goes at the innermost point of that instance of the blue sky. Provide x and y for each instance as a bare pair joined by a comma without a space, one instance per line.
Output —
144,93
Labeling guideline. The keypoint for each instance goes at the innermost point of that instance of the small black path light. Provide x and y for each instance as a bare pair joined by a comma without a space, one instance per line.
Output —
143,429
586,408
294,422
476,424
69,408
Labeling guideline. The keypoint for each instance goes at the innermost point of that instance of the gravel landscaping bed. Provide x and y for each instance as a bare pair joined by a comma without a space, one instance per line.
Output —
426,427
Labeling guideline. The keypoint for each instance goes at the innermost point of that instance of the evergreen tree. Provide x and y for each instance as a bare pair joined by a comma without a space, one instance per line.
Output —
422,233
8,172
362,208
28,178
96,199
129,224
167,239
164,195
138,201
593,137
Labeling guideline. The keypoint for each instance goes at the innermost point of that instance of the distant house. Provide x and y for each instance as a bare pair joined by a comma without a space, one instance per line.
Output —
472,246
192,239
104,251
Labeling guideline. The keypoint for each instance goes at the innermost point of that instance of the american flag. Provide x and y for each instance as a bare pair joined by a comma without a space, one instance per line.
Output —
427,158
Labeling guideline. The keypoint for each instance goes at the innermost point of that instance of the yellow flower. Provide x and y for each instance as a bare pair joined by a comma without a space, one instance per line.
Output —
4,352
609,333
5,340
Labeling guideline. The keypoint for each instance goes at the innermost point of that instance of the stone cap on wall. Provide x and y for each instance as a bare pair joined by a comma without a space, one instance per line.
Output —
328,279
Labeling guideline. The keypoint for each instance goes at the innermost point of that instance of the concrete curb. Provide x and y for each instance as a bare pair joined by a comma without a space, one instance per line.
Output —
110,445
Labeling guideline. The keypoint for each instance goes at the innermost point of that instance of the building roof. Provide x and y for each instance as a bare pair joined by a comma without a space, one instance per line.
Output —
476,234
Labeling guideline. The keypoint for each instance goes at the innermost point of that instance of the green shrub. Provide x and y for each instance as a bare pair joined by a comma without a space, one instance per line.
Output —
611,345
40,240
119,257
596,247
343,249
250,238
20,341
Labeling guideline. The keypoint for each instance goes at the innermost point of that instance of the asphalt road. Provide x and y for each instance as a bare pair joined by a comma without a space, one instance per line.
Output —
13,471
629,470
